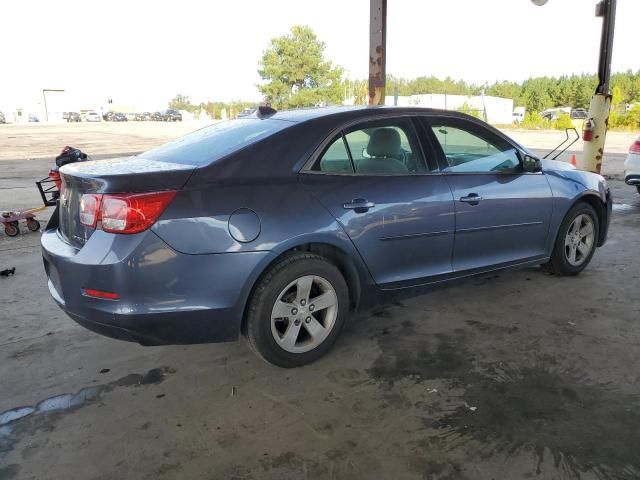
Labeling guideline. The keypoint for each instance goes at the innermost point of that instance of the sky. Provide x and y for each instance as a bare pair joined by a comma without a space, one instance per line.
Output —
144,52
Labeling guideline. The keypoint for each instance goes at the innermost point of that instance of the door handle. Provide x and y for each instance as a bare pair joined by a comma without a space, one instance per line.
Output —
360,205
471,199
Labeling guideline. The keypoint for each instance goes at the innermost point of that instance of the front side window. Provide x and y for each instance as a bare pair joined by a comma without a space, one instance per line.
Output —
468,151
387,147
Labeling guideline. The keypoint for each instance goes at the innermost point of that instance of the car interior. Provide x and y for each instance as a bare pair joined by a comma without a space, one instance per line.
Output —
373,150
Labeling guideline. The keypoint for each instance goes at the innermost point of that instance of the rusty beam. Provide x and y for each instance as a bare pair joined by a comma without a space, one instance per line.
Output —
377,51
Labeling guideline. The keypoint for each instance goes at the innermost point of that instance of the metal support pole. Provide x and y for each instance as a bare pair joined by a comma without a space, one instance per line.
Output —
600,106
46,110
377,51
44,97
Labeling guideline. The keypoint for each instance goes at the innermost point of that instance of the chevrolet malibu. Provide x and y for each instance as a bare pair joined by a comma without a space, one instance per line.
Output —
276,226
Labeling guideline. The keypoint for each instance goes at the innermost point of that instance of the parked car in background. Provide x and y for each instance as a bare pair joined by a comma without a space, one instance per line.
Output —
108,116
246,112
130,116
579,114
33,118
72,116
118,117
170,115
181,244
632,165
157,117
92,117
2,119
143,117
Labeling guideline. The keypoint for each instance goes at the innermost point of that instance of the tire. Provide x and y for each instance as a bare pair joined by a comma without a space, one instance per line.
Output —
288,341
33,225
11,229
568,242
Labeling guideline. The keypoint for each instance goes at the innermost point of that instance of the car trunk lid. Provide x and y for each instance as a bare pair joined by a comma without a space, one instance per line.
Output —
118,175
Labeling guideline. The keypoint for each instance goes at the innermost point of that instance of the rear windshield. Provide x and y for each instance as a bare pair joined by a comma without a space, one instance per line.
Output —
211,143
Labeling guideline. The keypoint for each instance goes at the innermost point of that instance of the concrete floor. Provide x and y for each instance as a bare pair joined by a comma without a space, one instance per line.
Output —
512,376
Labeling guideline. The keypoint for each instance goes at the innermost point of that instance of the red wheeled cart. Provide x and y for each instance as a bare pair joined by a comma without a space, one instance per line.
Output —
11,221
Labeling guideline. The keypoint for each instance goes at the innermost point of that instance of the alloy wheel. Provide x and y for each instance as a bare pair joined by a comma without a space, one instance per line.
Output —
579,240
304,314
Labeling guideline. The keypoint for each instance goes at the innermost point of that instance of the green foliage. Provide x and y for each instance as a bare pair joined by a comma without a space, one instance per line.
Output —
183,102
466,108
430,85
534,121
616,96
563,122
536,94
296,72
625,120
214,109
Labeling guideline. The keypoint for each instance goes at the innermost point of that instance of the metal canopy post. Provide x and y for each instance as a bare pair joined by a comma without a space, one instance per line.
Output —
595,129
377,51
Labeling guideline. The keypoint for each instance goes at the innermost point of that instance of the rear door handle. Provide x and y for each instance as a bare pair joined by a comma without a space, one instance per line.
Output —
360,205
471,199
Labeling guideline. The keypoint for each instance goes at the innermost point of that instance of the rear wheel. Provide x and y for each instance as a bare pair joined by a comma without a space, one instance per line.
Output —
576,241
297,310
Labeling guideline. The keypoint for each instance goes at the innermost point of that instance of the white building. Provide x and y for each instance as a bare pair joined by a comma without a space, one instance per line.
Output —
498,110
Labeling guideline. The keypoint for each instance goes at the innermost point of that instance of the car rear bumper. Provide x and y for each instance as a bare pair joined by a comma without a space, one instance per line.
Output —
632,169
166,297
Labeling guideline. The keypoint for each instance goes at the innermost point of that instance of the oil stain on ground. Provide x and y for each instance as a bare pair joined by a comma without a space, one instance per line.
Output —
510,410
15,422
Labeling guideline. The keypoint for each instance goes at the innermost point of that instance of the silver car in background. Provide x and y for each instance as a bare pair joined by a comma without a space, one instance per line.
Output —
632,165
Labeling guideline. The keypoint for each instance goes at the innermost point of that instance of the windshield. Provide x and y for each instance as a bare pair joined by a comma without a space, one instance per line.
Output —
211,143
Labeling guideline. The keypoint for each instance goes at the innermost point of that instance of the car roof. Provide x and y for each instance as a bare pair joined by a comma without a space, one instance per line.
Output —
304,114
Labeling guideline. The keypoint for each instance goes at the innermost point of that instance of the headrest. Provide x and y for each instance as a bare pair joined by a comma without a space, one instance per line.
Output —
384,142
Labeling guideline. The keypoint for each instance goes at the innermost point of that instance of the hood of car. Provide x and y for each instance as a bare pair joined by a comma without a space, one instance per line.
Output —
556,165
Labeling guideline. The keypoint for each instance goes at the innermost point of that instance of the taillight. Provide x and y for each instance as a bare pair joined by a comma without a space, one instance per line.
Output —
635,147
123,212
89,210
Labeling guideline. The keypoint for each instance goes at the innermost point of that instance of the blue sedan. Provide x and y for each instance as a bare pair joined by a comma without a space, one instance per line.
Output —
277,225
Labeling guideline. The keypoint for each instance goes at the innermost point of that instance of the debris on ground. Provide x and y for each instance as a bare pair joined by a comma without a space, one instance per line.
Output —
8,271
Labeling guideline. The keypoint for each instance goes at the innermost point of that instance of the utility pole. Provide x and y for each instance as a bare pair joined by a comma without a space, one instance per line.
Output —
595,127
377,51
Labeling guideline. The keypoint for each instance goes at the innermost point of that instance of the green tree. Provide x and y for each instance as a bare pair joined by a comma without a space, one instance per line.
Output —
183,102
296,72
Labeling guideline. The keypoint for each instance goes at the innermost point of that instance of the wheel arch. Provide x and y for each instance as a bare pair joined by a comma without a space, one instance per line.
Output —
600,207
338,256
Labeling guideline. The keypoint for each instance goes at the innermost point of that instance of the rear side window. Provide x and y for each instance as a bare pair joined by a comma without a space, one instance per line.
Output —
336,158
381,147
214,142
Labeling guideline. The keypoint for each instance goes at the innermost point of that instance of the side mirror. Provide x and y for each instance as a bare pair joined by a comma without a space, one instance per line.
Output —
531,164
365,154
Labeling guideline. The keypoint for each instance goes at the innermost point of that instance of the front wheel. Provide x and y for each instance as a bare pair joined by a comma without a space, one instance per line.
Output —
576,241
297,310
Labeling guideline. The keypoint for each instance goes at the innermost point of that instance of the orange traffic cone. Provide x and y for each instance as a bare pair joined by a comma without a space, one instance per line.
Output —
574,161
